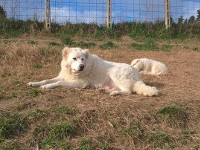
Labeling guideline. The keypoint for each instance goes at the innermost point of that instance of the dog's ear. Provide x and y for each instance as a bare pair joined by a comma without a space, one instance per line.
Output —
66,52
86,52
135,61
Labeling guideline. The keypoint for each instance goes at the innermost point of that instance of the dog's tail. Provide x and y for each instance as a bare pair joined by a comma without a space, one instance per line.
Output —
141,88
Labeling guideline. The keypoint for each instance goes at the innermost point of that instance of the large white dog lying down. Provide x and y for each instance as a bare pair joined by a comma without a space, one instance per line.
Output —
79,69
148,66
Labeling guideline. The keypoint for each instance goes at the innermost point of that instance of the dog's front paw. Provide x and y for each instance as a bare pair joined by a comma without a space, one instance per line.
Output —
44,87
30,84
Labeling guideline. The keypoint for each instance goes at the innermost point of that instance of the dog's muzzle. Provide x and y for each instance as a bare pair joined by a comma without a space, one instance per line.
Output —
81,67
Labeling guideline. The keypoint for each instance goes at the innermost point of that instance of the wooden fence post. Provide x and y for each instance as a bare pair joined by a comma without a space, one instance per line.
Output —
109,13
47,20
167,14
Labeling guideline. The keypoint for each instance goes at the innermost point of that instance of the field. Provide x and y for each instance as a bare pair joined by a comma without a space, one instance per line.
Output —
89,119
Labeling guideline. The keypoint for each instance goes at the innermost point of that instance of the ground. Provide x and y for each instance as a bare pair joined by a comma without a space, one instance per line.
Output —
87,119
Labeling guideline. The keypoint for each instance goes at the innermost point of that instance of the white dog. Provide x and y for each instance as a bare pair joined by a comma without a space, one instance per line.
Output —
79,69
148,66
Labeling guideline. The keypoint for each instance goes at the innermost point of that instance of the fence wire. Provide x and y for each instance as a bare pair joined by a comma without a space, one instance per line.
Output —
94,11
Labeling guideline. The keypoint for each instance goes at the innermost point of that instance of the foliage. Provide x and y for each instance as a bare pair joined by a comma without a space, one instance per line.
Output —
181,29
108,45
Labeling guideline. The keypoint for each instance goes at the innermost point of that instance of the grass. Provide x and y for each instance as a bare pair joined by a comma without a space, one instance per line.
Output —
37,66
26,105
8,94
151,45
10,145
196,49
159,139
33,92
45,53
53,43
67,40
53,135
166,48
32,42
38,115
148,45
139,134
16,28
134,130
11,125
65,110
55,144
86,118
86,144
84,44
175,114
108,45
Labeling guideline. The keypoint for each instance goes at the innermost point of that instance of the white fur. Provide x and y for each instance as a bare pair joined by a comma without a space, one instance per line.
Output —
148,66
114,78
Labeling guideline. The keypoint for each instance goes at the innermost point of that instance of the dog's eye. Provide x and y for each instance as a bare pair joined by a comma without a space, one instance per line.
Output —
74,58
82,59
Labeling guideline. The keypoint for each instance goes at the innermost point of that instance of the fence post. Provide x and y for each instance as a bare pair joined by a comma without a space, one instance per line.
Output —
47,24
109,13
167,14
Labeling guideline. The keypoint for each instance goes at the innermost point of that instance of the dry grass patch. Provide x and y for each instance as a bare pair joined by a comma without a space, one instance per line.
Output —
91,119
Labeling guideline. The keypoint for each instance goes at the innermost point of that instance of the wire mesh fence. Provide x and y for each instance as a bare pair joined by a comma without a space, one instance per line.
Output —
94,11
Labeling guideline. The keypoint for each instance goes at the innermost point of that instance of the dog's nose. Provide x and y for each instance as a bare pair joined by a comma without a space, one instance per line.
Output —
81,67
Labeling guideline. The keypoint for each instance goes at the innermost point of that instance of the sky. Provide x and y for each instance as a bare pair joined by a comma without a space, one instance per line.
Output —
94,11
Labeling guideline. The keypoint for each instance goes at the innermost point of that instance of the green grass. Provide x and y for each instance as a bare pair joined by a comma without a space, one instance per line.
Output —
86,144
33,92
104,146
53,135
65,110
32,42
53,43
187,137
10,145
84,44
54,113
159,139
8,94
16,28
140,134
108,45
11,125
166,48
55,144
36,65
196,49
149,44
67,40
175,114
25,105
135,131
38,114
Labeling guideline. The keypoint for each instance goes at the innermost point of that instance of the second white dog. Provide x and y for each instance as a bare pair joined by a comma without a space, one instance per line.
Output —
148,66
80,69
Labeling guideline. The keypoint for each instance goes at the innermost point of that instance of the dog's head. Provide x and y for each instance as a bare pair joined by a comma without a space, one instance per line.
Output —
137,64
75,59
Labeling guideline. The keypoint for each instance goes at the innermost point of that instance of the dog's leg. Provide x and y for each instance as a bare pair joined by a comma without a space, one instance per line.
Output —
66,84
40,83
123,86
118,92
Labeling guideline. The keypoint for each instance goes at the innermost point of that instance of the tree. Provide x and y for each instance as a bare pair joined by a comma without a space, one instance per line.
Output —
198,16
191,21
2,14
180,20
